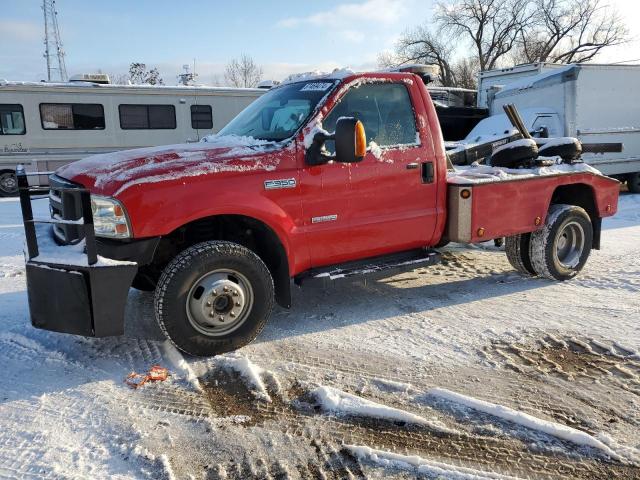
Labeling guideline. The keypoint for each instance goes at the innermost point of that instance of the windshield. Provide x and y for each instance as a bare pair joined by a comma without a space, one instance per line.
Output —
279,113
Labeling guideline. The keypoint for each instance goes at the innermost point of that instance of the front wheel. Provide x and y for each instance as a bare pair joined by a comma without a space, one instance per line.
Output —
8,184
214,297
561,248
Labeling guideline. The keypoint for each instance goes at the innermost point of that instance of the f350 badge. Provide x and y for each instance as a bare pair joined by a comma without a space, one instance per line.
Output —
280,183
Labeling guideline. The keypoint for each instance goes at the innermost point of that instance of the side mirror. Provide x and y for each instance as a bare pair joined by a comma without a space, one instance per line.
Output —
351,140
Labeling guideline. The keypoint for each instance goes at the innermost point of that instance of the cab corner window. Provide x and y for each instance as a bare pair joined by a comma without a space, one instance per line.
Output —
385,110
72,116
12,120
147,117
201,117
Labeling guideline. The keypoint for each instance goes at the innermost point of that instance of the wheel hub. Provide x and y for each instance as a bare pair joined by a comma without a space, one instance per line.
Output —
570,244
219,302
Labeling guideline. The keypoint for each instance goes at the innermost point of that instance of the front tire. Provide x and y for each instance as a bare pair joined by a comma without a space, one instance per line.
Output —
8,184
214,297
562,247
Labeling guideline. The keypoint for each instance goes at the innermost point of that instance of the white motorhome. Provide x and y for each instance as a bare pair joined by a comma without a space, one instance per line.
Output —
598,104
46,125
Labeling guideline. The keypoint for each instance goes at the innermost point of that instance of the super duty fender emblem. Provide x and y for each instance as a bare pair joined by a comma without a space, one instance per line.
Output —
280,183
324,218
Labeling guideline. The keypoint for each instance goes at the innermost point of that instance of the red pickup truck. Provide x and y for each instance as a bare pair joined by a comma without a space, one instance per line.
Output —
319,178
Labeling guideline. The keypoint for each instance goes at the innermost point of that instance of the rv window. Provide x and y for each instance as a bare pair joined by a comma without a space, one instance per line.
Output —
12,120
201,117
72,116
144,117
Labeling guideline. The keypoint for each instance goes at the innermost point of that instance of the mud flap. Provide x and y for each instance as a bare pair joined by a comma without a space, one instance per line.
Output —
80,300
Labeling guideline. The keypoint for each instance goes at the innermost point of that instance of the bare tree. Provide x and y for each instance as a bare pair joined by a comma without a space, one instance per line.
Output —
491,26
140,75
423,46
570,31
502,32
243,72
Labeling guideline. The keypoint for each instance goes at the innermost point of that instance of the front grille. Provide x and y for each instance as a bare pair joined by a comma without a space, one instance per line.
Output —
65,205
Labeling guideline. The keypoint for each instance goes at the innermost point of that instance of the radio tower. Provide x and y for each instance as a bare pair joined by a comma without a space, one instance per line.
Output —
53,51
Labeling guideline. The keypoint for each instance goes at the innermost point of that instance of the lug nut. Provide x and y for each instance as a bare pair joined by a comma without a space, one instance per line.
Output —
235,293
215,292
226,289
221,318
237,304
232,314
208,304
212,314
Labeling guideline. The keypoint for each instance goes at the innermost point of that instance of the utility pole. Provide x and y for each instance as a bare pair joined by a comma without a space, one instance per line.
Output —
53,51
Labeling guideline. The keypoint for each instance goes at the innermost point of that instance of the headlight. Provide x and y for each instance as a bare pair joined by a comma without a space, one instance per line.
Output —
109,218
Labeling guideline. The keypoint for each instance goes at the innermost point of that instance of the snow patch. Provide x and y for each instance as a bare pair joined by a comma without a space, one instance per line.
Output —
476,173
523,142
334,400
557,430
249,371
421,465
174,356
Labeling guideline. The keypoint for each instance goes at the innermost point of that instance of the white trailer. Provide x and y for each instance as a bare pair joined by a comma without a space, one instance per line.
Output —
598,104
46,125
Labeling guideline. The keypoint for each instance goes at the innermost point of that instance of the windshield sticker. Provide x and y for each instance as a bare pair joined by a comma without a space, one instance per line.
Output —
316,87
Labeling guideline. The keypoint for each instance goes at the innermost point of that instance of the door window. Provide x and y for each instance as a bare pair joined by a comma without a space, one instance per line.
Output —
384,109
11,120
545,125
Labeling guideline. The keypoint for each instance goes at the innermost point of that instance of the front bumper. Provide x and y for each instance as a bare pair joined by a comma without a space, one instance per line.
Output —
71,289
81,300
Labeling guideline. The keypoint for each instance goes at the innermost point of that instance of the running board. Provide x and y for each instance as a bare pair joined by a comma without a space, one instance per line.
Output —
398,261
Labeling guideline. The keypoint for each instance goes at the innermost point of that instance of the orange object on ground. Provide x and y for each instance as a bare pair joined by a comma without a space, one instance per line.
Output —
156,374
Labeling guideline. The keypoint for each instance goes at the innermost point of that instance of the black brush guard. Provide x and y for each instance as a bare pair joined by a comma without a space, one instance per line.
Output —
81,300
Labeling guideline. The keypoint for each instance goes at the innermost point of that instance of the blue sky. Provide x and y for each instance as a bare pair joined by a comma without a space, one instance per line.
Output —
283,36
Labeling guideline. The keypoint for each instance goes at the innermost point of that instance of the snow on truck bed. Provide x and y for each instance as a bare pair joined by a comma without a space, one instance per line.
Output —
477,174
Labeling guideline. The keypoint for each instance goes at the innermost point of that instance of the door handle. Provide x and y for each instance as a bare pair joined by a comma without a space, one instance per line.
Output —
412,166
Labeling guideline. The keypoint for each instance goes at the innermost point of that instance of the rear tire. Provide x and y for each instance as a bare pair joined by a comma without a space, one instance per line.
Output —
633,182
214,297
517,250
562,247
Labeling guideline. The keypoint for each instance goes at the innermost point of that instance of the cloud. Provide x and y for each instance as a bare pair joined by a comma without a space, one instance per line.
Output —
351,14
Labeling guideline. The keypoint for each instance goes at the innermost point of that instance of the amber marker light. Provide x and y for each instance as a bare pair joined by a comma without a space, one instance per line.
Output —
465,193
481,232
361,140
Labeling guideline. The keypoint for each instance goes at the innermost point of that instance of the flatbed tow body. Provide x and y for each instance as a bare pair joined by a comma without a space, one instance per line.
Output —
220,228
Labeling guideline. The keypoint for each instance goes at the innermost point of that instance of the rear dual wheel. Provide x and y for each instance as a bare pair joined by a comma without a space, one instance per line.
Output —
559,250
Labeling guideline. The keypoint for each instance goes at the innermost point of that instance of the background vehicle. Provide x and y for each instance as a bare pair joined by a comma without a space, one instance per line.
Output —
47,125
219,229
598,104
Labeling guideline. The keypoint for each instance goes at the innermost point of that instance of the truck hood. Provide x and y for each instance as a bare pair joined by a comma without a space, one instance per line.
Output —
112,173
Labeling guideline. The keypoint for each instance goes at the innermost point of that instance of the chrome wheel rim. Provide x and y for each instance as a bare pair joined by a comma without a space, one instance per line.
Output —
219,302
569,245
8,183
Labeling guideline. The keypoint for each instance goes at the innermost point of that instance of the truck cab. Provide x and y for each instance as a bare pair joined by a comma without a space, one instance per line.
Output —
323,177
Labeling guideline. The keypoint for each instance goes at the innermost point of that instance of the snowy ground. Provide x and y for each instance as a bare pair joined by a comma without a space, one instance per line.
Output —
462,370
